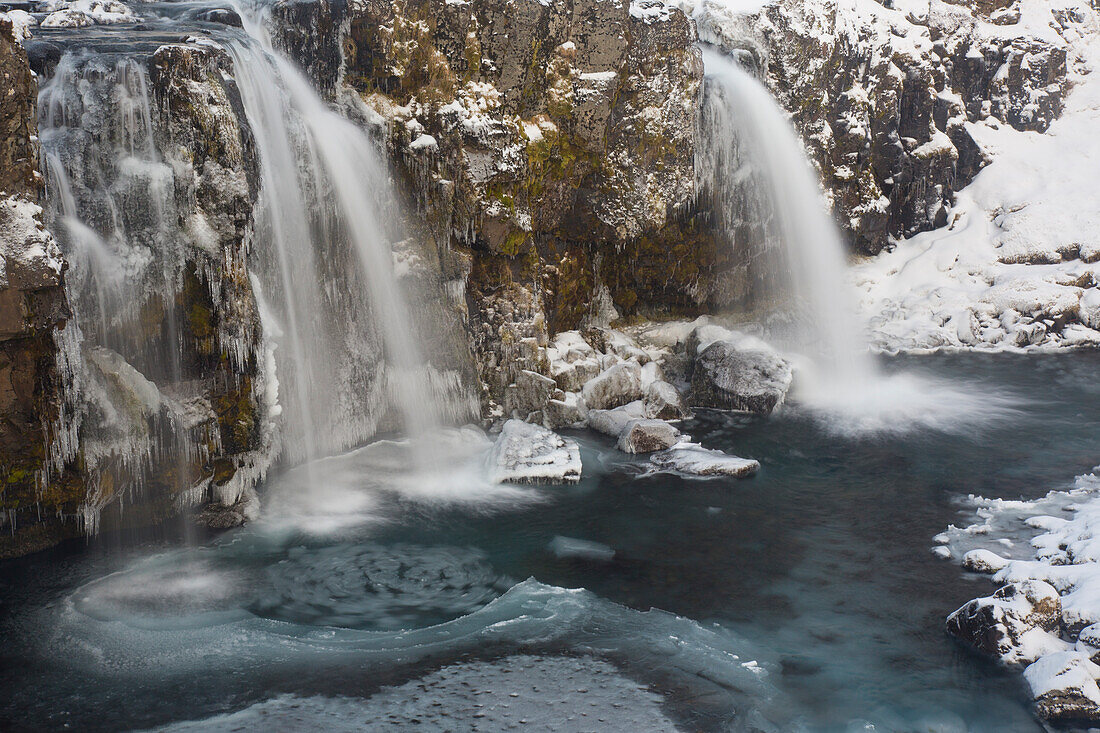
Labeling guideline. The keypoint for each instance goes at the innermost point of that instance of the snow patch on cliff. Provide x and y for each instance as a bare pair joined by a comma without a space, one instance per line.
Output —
1018,264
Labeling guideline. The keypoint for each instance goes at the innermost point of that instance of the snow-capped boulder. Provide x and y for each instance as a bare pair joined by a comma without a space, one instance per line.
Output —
617,386
692,459
647,436
613,422
734,375
1088,641
531,454
1014,624
663,402
1063,686
984,561
568,411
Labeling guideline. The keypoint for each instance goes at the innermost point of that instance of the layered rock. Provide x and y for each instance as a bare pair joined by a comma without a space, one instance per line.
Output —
32,306
553,144
883,95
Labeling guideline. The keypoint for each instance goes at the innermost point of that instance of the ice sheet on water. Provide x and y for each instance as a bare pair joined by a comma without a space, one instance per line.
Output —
543,693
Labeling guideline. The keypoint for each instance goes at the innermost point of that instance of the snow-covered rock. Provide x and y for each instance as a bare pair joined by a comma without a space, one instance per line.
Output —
531,454
528,393
617,386
613,422
1048,554
82,13
663,402
1014,624
1015,267
1088,641
21,23
1064,686
647,436
567,412
736,376
692,459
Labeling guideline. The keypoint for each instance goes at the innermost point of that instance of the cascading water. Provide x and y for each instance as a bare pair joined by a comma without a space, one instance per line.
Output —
757,172
766,198
323,257
127,413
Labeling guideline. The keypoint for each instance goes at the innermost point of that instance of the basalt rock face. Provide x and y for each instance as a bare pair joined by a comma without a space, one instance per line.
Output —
883,96
102,428
551,146
32,303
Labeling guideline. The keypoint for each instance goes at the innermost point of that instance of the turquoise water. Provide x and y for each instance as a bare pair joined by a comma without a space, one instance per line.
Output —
804,598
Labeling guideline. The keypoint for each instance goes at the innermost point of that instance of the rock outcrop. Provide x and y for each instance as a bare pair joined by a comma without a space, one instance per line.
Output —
552,145
32,307
883,94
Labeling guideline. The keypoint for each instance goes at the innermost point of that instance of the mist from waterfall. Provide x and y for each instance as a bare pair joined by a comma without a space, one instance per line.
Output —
767,201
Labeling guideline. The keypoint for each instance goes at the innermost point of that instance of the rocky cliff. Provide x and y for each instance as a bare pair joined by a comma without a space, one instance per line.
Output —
883,93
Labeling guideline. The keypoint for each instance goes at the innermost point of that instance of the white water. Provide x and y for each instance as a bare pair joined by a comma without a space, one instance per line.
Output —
766,190
323,255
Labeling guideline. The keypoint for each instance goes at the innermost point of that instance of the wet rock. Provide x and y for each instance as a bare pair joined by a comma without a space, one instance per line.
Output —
221,517
735,376
1013,624
531,454
647,436
617,386
1063,686
222,16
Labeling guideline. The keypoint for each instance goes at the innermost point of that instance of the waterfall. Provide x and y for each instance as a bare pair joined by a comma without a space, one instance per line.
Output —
322,252
766,200
765,189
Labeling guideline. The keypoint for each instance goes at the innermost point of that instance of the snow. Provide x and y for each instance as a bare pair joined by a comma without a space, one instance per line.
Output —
693,460
21,23
1053,540
80,13
531,454
1016,266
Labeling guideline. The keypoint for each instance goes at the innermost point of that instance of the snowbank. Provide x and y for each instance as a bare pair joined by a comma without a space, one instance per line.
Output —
1036,549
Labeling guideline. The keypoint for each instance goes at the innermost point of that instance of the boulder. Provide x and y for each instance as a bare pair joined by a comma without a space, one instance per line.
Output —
733,376
617,386
567,412
691,459
1088,641
663,402
532,454
613,422
983,561
647,436
1063,686
528,393
1013,624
